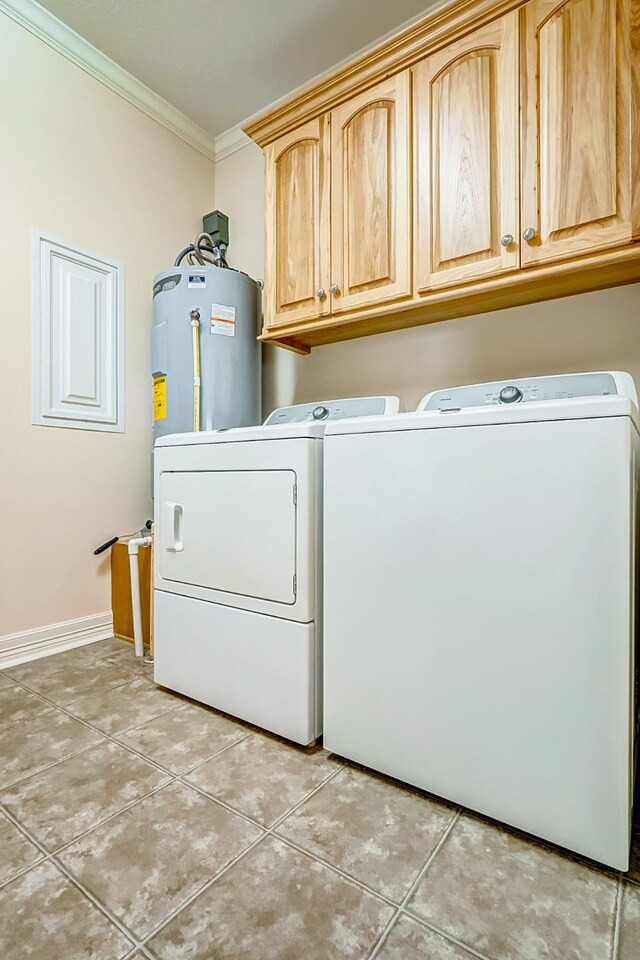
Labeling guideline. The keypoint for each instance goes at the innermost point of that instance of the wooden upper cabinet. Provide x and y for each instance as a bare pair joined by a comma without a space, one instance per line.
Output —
371,196
580,147
297,225
485,156
467,157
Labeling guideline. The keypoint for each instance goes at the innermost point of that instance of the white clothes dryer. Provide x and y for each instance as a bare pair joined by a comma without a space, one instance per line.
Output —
480,589
237,568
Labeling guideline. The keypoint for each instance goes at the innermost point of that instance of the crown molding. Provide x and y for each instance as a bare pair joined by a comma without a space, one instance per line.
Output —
75,48
230,142
399,51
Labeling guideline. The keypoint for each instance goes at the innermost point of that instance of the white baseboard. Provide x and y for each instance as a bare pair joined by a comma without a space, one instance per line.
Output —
42,641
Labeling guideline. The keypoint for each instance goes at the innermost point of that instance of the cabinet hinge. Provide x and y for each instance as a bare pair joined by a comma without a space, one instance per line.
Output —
295,584
295,493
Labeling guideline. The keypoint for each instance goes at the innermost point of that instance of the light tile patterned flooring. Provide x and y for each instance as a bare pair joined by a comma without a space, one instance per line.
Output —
135,823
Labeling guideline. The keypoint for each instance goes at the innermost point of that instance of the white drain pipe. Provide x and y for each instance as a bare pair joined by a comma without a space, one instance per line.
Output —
133,546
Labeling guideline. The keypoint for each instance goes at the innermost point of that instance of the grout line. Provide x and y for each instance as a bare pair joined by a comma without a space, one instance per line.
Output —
23,870
400,907
441,842
36,716
6,674
617,918
64,708
285,816
201,763
224,804
235,810
449,937
85,696
325,863
24,829
25,832
405,910
194,896
64,846
47,766
129,934
49,857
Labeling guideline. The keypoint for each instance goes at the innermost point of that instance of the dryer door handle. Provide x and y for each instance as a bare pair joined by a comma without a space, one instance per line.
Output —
172,526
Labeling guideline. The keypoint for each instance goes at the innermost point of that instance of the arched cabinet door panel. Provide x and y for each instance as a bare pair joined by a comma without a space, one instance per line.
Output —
580,127
371,196
467,155
297,225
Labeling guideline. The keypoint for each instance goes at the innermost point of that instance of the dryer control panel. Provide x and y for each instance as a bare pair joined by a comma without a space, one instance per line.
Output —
327,410
532,389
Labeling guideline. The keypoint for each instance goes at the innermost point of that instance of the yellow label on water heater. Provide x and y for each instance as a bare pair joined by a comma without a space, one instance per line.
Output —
160,398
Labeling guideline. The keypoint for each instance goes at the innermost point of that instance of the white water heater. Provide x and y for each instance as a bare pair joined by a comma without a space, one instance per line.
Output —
225,308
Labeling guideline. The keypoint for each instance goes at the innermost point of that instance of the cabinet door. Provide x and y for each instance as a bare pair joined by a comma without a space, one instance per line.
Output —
371,196
467,147
297,225
579,118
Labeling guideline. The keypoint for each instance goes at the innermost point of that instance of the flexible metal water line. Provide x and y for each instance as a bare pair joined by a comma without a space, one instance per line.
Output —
203,250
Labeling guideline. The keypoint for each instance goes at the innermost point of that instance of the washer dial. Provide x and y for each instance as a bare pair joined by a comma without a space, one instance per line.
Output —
510,394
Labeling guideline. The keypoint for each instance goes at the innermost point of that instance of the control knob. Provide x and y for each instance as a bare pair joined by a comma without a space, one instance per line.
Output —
320,413
510,394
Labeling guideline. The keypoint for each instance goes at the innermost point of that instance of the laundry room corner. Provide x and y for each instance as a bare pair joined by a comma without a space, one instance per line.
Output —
143,189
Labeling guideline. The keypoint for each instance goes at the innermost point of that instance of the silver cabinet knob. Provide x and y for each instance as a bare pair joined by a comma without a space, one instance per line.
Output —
529,233
507,240
320,293
334,288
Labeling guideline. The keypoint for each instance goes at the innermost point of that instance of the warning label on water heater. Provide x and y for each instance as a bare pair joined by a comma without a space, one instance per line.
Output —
160,398
223,320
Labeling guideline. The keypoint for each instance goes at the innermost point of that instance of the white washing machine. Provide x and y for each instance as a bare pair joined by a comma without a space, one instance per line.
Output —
480,578
237,569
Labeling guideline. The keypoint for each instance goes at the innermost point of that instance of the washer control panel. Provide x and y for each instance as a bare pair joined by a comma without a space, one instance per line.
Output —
325,410
518,391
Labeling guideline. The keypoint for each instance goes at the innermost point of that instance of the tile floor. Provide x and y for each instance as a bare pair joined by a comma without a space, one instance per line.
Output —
135,823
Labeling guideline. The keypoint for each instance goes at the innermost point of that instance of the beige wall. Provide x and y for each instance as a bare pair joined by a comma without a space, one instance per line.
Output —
80,162
588,332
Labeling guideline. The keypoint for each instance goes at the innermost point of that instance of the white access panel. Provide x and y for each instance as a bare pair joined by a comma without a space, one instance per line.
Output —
232,530
478,633
78,337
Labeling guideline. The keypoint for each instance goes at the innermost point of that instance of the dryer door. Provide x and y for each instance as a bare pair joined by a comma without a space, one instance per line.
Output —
230,530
